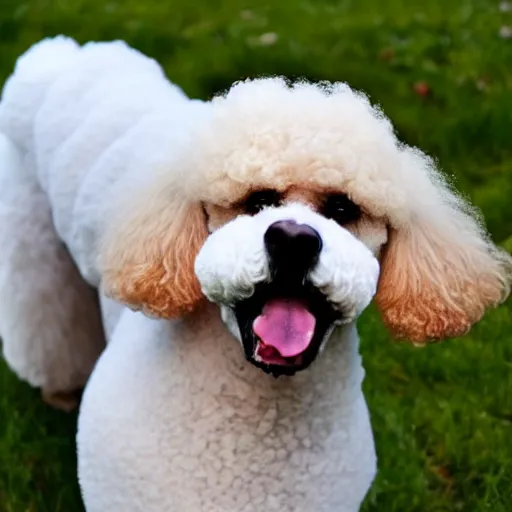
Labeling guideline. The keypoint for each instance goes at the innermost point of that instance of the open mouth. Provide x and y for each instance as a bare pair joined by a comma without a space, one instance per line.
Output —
284,326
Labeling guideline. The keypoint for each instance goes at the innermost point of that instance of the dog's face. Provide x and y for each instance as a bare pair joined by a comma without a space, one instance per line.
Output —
290,208
287,267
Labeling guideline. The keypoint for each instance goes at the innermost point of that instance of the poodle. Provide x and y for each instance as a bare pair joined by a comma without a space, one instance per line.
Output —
201,266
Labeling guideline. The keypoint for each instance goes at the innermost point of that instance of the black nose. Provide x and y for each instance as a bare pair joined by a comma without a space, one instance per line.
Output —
293,248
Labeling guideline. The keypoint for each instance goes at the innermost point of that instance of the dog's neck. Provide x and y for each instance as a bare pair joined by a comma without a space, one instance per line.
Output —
216,359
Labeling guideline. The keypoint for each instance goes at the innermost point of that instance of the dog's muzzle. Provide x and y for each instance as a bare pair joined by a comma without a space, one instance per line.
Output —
285,321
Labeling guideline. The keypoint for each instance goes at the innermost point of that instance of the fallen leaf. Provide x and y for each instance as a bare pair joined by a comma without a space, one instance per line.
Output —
246,15
506,32
387,54
268,39
422,89
505,7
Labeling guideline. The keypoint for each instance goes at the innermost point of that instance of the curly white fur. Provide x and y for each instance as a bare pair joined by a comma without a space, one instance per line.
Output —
175,419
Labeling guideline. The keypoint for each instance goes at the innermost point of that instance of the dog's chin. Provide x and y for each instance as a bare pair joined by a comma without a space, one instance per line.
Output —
301,306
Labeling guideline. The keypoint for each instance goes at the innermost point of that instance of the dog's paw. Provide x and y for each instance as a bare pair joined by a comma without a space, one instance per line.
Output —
66,401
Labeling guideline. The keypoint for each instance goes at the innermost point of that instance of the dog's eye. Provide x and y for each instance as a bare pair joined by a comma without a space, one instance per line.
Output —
261,199
341,209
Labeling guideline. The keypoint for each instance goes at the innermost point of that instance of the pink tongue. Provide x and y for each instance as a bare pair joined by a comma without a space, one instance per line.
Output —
285,325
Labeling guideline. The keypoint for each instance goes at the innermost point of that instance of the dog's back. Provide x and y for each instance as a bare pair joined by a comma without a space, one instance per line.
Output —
74,120
49,317
50,321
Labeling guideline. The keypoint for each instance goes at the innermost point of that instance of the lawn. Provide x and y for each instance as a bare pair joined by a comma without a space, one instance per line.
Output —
442,71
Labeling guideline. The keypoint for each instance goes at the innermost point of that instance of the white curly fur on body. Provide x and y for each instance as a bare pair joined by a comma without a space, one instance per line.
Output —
174,418
111,177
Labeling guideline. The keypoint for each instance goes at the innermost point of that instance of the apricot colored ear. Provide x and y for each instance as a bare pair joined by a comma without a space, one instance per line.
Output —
437,279
147,259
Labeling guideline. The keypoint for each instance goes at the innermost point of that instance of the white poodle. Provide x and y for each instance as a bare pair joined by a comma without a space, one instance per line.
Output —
288,207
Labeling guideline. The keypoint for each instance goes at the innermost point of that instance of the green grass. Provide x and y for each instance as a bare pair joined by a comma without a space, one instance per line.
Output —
442,415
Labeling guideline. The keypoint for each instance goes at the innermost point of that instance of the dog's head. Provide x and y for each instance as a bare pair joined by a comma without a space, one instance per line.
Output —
292,208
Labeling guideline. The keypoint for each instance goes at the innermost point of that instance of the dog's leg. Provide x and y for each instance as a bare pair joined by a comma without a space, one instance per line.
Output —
50,322
66,402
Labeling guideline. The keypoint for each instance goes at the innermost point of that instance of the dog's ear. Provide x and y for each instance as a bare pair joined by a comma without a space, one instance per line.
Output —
148,252
440,271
